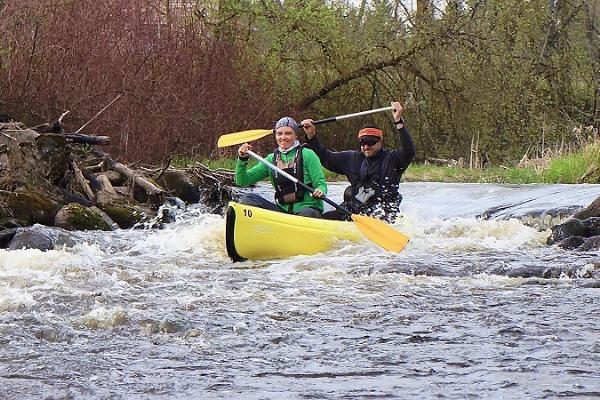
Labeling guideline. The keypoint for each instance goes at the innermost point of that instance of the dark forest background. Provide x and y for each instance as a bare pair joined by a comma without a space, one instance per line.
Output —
510,75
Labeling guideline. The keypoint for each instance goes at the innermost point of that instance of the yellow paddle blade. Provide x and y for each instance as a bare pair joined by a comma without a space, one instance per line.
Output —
381,233
242,137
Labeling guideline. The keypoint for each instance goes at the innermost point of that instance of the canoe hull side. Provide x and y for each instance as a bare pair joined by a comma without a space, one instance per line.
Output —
255,233
229,235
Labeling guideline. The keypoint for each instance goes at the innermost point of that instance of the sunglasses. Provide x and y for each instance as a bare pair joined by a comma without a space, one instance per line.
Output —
368,141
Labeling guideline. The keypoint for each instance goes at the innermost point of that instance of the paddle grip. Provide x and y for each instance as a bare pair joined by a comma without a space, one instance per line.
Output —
324,121
358,114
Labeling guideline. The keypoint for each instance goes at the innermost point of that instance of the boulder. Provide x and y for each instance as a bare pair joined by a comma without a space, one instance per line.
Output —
569,228
41,237
592,226
179,184
6,236
31,207
593,210
27,239
75,216
126,215
590,244
573,227
571,243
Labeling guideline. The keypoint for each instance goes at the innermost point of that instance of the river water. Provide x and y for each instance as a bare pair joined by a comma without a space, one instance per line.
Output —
472,308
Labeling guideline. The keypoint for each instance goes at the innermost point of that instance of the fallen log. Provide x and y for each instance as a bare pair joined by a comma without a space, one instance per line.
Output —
136,178
87,139
82,182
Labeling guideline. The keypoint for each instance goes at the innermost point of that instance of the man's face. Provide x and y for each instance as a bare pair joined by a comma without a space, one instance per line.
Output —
370,145
285,137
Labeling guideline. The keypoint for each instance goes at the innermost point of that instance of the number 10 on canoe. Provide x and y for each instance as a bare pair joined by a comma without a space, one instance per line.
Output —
231,139
375,230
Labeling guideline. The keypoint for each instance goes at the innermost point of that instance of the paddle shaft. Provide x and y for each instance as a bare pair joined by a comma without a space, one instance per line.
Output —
255,134
358,114
295,180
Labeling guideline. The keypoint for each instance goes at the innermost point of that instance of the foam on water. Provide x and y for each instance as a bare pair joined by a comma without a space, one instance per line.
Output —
24,271
102,317
473,234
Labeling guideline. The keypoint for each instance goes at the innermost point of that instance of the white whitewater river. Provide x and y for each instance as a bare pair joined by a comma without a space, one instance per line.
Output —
473,308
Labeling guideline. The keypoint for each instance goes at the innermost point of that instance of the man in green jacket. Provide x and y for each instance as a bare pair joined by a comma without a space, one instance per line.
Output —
293,158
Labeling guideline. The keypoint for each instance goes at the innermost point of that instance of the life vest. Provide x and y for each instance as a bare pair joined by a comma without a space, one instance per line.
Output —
375,192
286,191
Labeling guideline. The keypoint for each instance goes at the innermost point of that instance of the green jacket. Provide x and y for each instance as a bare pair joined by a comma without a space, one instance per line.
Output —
313,177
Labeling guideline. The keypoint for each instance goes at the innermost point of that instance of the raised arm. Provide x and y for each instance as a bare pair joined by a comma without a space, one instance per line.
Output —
405,153
334,161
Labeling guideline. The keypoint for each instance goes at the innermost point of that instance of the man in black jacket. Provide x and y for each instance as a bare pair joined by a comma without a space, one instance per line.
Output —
373,172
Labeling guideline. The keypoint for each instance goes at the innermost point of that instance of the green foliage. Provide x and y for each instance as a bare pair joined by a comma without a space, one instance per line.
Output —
573,167
570,168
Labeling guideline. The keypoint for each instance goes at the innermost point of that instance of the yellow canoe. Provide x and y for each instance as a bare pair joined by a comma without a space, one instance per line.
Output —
255,233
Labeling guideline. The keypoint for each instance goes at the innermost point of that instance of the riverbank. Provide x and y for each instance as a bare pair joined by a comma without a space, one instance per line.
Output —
582,166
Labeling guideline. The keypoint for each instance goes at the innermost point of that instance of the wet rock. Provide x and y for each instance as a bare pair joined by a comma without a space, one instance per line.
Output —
593,210
593,285
529,271
553,273
569,228
218,197
592,226
41,237
590,244
47,334
179,184
28,239
75,217
127,216
571,243
570,234
166,215
6,236
169,326
175,202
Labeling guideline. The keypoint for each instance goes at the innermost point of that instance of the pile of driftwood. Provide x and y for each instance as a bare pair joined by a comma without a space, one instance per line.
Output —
63,180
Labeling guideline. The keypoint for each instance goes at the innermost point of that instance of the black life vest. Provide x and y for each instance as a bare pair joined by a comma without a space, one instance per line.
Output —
286,191
375,192
375,188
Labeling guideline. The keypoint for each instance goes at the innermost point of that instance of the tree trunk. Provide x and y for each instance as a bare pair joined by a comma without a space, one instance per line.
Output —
552,31
424,14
